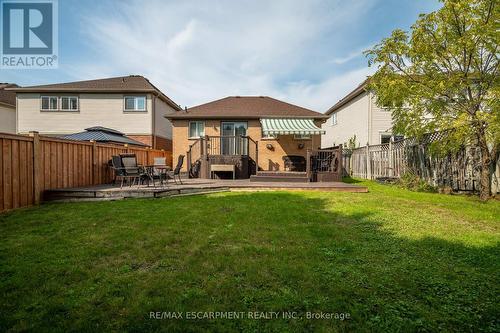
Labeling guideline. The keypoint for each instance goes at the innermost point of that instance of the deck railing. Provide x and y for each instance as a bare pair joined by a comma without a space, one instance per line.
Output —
324,164
206,148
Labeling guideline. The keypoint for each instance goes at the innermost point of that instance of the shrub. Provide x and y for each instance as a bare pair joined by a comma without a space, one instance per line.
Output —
409,180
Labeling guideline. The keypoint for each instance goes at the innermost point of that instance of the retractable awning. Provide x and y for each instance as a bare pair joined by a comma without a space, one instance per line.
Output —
285,126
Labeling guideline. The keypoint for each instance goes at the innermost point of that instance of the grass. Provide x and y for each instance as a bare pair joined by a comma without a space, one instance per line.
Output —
394,260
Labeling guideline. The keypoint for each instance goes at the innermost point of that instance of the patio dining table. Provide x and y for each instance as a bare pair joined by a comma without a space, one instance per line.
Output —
157,170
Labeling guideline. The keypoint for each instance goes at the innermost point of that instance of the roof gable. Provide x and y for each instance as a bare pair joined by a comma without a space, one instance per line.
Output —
349,97
250,107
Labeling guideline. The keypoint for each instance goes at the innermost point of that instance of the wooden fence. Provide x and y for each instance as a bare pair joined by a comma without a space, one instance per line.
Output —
459,170
29,165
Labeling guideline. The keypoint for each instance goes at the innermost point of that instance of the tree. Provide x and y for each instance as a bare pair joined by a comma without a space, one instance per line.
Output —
443,76
351,144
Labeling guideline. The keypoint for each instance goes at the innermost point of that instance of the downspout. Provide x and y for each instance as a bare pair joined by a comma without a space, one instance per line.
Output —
153,125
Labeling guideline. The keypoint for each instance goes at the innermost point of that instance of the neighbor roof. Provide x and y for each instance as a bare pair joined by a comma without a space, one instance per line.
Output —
246,107
7,97
102,134
126,84
349,97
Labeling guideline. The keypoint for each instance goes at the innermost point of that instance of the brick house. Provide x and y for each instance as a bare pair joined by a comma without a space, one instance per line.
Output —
244,130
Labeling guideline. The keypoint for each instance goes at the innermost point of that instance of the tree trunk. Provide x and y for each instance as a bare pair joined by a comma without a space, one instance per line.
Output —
485,175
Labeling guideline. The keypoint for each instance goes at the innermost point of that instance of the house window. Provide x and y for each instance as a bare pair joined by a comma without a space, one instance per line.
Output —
334,118
49,102
135,103
302,136
69,103
196,129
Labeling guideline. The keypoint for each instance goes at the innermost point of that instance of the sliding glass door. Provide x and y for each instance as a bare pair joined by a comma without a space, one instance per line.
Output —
232,142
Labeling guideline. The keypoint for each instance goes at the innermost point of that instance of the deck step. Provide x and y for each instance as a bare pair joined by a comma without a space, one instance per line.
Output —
282,173
279,178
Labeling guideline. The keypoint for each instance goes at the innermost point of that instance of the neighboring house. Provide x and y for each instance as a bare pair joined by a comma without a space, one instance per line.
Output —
242,130
103,135
7,109
129,104
357,114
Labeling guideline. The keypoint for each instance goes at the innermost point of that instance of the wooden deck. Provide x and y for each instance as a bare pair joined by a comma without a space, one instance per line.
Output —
190,187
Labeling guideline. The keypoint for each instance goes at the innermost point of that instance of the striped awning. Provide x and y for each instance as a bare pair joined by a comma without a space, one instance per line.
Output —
284,126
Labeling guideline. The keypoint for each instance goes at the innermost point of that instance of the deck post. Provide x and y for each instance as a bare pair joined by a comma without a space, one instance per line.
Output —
256,156
206,168
308,164
188,158
340,171
37,170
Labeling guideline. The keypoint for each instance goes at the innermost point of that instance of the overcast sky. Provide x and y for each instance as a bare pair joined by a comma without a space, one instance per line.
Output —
306,52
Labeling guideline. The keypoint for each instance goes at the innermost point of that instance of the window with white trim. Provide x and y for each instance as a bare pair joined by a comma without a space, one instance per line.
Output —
334,118
49,103
134,103
69,103
385,138
196,129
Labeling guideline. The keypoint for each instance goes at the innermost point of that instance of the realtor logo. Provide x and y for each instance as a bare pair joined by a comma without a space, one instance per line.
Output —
29,34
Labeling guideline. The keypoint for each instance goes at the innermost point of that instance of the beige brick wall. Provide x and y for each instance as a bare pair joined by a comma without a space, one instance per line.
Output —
269,159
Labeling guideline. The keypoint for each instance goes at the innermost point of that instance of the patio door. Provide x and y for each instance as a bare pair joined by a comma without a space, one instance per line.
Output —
231,141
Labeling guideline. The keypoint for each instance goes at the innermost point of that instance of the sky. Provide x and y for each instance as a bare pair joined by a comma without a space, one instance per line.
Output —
307,52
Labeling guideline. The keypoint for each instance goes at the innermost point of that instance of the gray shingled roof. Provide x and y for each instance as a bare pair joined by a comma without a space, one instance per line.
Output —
131,84
103,134
246,107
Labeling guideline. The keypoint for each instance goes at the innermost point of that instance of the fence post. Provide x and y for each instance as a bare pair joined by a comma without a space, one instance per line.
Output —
368,162
37,171
391,162
94,162
148,156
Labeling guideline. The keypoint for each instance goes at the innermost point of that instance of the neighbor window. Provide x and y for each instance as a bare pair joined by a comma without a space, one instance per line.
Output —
69,103
135,103
302,136
49,102
334,118
196,129
385,138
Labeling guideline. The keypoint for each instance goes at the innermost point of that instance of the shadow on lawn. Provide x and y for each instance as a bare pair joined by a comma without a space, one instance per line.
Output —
265,251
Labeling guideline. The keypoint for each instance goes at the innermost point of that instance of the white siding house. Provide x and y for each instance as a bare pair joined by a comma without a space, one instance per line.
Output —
357,114
130,104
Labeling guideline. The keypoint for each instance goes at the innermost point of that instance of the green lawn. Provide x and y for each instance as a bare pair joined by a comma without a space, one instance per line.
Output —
394,260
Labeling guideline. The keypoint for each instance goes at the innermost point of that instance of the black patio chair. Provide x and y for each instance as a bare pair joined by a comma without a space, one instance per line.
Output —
120,170
132,169
177,170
